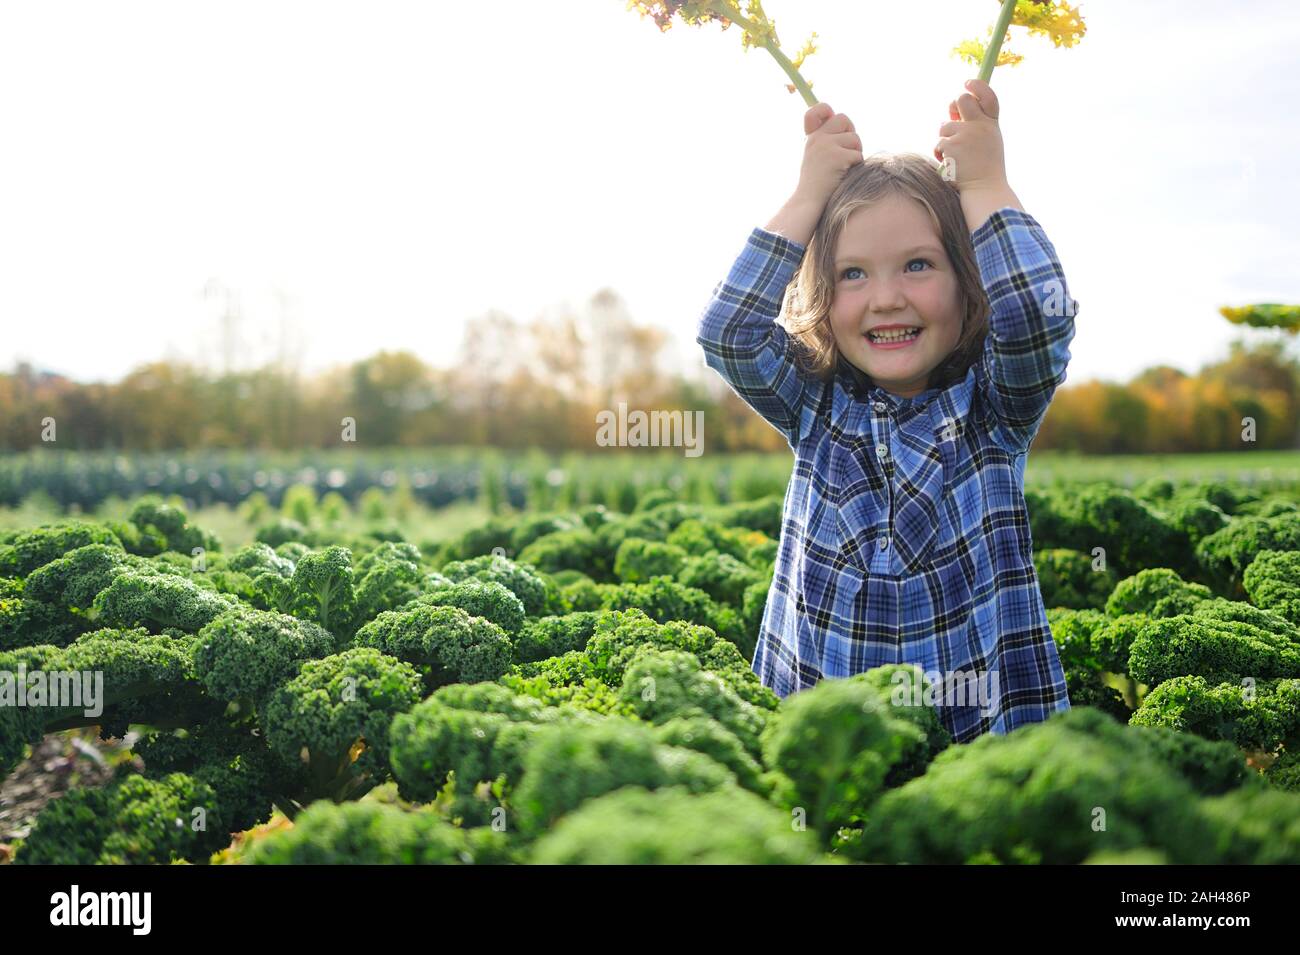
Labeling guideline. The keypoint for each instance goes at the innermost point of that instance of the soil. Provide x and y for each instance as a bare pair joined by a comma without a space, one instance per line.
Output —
58,763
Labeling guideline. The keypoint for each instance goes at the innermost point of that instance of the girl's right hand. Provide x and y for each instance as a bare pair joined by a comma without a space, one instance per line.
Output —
831,150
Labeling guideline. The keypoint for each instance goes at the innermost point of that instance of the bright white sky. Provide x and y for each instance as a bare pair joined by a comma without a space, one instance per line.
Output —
379,172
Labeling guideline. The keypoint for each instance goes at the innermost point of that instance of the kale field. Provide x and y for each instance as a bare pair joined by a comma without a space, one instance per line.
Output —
570,683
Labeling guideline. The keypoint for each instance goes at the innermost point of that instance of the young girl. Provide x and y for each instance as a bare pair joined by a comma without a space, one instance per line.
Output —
928,328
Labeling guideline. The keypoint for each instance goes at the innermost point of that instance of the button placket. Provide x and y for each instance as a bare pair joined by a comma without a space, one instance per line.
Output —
882,455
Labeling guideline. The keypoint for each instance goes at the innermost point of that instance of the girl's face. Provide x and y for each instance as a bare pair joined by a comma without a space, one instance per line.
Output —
891,269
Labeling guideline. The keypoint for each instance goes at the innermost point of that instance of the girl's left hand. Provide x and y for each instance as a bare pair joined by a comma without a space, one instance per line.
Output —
973,139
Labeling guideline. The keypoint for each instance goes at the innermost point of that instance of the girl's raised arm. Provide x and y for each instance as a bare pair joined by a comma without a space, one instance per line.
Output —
745,345
1031,324
1032,318
738,331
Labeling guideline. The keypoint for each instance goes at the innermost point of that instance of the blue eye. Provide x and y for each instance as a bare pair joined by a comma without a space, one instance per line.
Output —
854,268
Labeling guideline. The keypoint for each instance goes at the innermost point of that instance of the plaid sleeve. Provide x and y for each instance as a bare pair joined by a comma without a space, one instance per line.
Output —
1030,326
745,345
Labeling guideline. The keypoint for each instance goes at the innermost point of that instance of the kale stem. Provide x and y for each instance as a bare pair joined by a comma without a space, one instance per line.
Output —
799,83
995,45
724,9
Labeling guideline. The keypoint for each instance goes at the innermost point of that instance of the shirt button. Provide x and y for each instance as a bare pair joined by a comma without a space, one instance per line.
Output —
884,542
882,452
879,406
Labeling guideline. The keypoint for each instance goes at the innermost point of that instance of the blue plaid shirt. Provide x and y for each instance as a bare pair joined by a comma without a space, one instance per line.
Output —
905,535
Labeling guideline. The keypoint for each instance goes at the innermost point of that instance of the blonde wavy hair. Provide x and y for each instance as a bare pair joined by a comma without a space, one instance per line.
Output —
807,306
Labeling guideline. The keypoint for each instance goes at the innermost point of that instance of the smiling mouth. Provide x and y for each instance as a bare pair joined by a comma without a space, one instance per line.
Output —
893,339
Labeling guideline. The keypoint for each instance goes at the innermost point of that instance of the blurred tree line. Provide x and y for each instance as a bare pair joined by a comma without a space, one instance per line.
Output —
1165,410
513,385
541,383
